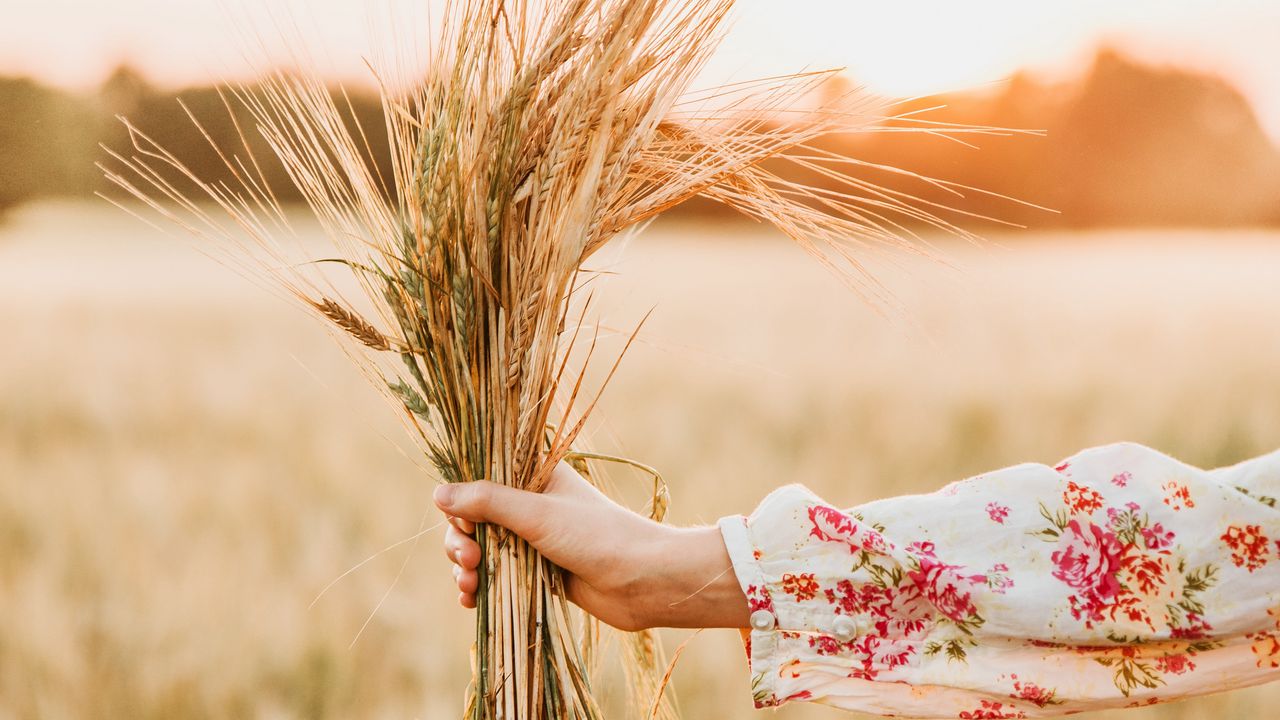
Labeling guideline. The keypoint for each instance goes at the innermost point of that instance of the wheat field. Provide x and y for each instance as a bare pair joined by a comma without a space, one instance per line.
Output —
186,461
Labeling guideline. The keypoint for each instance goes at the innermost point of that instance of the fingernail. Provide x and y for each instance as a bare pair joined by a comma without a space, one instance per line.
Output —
444,495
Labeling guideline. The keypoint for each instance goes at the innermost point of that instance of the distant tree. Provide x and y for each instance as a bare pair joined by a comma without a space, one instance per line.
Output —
1148,145
123,92
47,139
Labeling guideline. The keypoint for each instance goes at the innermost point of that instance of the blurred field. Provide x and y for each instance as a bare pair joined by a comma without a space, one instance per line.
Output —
185,461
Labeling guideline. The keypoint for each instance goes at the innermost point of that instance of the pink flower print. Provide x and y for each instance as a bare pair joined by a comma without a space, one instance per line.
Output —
850,600
831,525
1087,559
904,614
1063,467
827,645
991,710
1175,664
997,580
921,547
1194,628
758,598
1156,537
1121,479
997,512
1033,693
940,584
900,620
885,653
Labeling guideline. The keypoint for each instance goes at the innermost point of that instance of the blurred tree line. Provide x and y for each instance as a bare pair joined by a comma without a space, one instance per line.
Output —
1127,144
51,139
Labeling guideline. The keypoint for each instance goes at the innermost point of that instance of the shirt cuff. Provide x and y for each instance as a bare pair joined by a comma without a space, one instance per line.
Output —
760,569
762,638
803,640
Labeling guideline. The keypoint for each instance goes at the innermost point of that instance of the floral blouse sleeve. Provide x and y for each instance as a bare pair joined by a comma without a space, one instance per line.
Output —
1119,578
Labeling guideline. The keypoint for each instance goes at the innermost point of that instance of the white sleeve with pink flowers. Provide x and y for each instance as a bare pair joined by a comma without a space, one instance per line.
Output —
1119,578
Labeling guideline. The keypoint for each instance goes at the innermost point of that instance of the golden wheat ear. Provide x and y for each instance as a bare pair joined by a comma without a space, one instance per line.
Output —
537,133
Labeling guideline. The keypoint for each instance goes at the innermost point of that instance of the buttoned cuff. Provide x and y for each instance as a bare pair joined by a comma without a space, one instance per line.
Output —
762,637
794,627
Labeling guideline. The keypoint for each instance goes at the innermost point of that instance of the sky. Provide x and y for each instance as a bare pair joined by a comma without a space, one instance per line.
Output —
895,47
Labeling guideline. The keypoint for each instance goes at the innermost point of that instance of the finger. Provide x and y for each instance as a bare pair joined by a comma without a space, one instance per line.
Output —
461,549
567,481
520,511
465,526
468,580
467,600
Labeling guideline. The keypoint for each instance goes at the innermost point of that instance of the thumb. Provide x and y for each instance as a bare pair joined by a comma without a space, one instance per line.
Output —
519,511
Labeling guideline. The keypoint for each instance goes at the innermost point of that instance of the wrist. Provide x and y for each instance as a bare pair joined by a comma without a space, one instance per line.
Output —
688,582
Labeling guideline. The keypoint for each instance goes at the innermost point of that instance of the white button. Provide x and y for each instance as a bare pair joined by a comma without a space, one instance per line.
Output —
844,629
762,620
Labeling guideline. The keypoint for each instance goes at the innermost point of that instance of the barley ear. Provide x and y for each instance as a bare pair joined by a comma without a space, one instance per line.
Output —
356,326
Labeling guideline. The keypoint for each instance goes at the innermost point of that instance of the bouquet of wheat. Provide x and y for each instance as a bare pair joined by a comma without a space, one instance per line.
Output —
540,131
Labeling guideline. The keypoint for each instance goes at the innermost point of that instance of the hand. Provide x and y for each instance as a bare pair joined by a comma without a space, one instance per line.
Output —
625,569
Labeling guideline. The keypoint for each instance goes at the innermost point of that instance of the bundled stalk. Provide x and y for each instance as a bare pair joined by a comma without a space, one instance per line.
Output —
540,131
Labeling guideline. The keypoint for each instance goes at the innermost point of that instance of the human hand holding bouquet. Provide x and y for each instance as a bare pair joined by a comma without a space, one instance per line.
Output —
623,568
